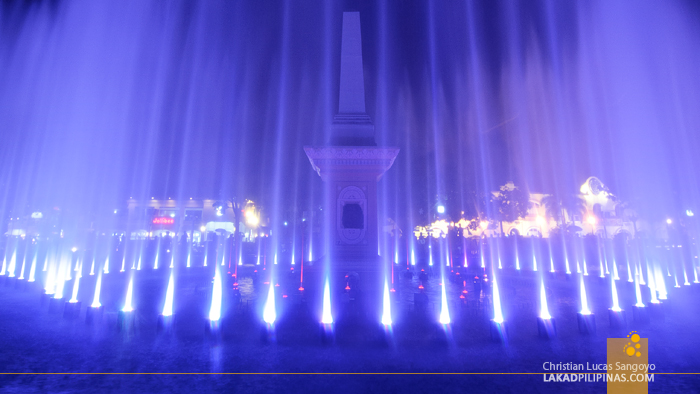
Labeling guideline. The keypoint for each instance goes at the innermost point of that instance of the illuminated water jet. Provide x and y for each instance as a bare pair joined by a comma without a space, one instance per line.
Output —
50,286
96,297
21,271
615,300
638,295
327,317
615,274
11,266
216,294
105,269
584,299
4,265
269,313
169,294
32,269
386,304
128,307
92,266
155,263
651,285
629,272
76,284
430,255
444,312
544,310
60,282
534,262
685,277
660,283
497,309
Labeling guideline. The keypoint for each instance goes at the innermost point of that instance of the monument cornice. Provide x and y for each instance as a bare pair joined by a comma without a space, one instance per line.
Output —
329,158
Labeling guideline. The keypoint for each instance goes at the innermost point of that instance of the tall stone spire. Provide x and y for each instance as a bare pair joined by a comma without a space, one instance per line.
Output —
352,80
350,168
352,126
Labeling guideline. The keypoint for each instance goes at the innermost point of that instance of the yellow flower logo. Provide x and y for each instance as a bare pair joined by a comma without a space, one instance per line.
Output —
633,348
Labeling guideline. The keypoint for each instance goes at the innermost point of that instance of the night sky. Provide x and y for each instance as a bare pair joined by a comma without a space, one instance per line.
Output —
100,101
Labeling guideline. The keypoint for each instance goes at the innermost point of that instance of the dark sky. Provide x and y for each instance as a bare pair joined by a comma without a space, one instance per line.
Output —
105,100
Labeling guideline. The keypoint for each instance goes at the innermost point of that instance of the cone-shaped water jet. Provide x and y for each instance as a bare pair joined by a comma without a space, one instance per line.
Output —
216,294
497,309
386,306
4,265
638,294
629,273
615,301
584,299
169,294
21,271
269,313
11,266
76,284
155,263
660,283
32,269
544,310
128,307
96,296
326,316
444,312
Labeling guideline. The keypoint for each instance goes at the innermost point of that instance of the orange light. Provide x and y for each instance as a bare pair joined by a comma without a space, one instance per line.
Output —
284,296
301,289
277,285
347,287
392,290
420,287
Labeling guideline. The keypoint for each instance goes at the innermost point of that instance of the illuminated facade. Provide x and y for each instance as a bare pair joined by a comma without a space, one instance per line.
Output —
193,217
599,213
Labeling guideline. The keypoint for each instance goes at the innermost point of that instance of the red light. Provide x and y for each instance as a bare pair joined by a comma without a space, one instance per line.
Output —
163,221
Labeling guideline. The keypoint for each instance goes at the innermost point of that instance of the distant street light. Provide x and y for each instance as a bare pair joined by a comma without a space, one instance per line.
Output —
441,209
689,213
669,221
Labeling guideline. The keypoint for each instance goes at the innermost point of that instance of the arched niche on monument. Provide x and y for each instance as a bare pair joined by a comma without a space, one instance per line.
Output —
352,215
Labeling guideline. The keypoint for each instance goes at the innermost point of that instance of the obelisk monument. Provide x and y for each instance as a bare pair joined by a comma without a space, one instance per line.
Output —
352,165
